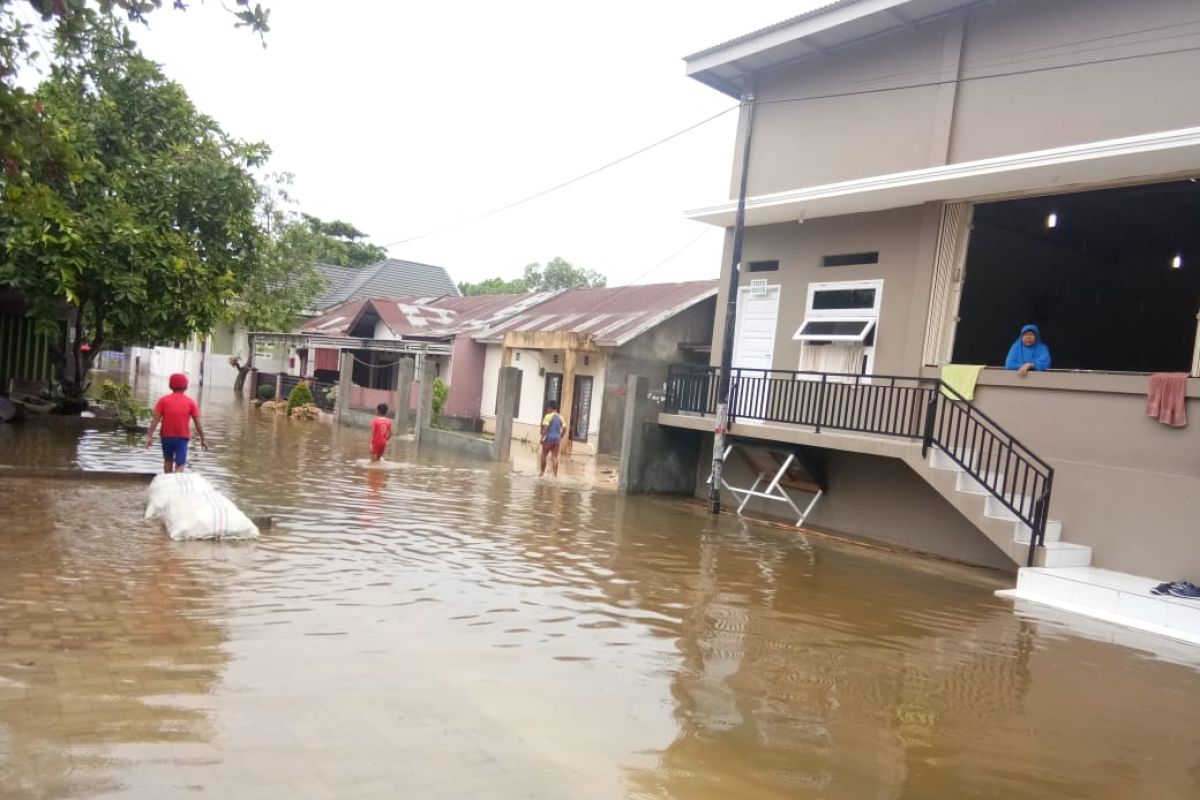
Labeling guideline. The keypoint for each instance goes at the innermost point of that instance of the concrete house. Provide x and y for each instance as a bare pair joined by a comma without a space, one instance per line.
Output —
449,320
925,177
578,347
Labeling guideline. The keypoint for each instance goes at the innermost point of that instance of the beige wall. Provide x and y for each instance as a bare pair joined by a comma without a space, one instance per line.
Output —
905,239
989,111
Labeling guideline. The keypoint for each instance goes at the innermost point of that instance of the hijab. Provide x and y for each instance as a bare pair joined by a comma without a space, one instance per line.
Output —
1019,354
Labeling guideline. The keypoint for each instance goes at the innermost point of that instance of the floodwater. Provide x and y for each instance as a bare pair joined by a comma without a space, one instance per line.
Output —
451,630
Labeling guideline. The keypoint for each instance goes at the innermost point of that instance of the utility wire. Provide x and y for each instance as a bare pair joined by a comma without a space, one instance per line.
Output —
809,98
564,184
707,230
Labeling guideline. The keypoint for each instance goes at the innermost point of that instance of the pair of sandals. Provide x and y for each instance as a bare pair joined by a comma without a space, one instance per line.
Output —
1178,589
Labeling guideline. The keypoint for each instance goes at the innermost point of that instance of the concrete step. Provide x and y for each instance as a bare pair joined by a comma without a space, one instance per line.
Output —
1111,596
939,460
996,509
1053,531
971,486
1053,554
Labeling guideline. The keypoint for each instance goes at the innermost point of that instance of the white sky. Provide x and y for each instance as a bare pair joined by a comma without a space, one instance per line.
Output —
403,118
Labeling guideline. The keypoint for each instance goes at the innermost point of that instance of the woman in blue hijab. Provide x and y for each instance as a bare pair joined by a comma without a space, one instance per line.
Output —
1028,352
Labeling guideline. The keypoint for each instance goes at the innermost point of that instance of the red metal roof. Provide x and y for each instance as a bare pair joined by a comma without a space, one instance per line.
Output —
610,316
337,320
428,317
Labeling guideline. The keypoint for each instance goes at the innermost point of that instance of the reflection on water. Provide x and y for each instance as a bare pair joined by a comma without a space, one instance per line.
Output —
449,629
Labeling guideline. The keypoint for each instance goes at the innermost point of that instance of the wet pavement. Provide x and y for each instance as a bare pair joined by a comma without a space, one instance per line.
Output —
454,630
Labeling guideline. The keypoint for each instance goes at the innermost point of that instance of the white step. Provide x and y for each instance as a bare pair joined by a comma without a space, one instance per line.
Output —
1053,531
969,485
1111,596
939,460
1065,554
994,508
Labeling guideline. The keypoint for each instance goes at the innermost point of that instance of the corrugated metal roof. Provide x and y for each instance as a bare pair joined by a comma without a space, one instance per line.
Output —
337,320
611,316
389,278
429,317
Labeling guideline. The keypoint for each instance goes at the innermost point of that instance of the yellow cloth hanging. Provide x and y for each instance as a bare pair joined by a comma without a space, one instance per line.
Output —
961,378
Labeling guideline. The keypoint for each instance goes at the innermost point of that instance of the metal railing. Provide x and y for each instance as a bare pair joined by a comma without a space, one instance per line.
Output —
924,409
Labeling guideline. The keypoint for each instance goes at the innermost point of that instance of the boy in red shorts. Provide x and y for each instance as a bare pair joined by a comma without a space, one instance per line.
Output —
381,432
175,412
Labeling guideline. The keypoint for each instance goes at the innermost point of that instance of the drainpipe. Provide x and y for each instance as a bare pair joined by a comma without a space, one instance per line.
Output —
731,292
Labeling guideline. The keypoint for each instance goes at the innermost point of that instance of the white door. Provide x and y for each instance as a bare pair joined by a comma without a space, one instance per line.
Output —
754,332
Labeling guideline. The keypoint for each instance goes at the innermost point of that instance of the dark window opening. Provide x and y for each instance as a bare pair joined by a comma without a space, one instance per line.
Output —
581,408
1112,278
831,328
849,259
832,299
375,370
764,266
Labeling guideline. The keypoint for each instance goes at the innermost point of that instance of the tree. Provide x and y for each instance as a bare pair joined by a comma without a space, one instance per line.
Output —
136,212
342,243
554,276
494,286
558,275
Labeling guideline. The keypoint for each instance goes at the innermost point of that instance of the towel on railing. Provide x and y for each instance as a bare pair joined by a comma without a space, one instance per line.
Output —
1167,398
961,378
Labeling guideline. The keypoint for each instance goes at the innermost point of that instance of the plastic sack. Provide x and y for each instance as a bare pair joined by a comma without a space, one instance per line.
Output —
206,515
166,486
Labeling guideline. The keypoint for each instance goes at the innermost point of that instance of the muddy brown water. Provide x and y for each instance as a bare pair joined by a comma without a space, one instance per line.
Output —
447,629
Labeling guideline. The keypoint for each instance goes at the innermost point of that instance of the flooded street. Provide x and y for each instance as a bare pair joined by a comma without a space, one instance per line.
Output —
448,629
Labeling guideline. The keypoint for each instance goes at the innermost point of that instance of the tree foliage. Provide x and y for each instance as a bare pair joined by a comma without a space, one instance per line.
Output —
134,209
341,243
556,275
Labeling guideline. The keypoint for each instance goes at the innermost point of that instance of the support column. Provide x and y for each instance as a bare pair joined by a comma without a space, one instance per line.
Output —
425,406
345,382
570,358
507,392
405,371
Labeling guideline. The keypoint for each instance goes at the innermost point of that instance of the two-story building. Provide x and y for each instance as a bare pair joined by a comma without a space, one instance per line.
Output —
924,178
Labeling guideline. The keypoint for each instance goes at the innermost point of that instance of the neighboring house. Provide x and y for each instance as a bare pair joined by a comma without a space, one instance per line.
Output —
578,348
925,177
451,320
389,278
24,352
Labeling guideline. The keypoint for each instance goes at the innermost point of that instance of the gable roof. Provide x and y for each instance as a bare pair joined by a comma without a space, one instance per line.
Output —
611,317
426,317
391,277
814,33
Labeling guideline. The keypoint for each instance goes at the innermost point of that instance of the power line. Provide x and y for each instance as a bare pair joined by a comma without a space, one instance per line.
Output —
1012,73
808,98
564,184
707,230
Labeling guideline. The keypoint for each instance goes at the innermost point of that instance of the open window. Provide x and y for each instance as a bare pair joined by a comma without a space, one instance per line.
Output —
1111,276
838,332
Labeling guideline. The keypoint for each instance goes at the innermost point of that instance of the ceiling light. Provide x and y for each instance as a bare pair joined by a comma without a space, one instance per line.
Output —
1052,219
1177,261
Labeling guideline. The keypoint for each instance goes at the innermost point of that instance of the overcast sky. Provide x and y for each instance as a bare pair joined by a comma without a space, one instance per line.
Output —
408,117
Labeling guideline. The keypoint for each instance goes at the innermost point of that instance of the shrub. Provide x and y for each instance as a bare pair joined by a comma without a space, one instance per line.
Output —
300,396
119,397
440,392
266,391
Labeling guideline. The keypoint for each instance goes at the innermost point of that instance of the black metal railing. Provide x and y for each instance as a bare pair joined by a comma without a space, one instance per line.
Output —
924,409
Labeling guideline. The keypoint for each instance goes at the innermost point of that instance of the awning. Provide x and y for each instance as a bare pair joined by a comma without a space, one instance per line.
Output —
835,329
1133,159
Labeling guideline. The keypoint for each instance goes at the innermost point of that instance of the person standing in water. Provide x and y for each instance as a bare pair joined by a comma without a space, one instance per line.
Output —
176,412
552,432
1028,352
381,432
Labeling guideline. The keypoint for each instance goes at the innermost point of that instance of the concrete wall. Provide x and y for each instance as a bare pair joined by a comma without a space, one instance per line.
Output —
648,355
465,376
906,240
655,459
987,112
875,499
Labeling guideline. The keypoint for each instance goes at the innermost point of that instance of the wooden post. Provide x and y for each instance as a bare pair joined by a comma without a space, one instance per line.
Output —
570,357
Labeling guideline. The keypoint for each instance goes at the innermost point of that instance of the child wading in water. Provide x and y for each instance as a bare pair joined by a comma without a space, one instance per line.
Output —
175,412
552,432
381,432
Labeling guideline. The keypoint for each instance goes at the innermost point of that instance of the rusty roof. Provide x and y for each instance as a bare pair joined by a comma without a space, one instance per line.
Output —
611,317
337,320
427,317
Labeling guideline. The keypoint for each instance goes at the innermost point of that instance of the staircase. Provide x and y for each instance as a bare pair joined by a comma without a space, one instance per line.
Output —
978,504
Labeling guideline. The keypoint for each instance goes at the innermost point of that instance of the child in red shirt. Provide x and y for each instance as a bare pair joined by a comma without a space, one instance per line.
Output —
381,432
175,412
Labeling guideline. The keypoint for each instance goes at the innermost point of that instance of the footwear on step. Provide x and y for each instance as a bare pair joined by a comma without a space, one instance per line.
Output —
1185,589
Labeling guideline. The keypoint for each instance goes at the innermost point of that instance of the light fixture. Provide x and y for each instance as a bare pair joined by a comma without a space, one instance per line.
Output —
517,356
1052,219
587,360
1177,261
